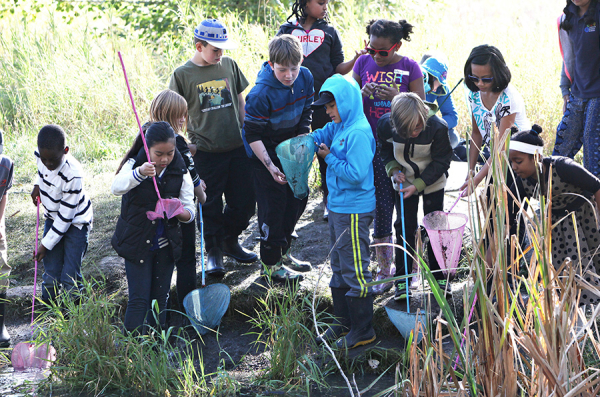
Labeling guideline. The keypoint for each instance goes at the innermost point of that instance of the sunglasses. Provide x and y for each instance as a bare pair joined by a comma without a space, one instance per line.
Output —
484,80
383,53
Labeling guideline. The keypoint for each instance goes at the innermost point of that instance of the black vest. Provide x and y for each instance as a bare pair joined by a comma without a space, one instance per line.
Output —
134,232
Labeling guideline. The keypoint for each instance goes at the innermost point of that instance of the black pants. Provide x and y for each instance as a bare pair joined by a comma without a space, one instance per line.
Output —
228,174
186,266
148,281
431,202
278,212
319,119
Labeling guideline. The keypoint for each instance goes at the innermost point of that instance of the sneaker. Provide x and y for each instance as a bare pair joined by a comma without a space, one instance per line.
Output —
401,292
295,264
280,275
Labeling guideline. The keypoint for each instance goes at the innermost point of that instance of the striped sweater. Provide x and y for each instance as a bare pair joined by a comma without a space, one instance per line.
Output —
63,197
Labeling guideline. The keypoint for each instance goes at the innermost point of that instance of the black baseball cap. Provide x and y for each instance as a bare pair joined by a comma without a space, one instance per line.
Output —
324,98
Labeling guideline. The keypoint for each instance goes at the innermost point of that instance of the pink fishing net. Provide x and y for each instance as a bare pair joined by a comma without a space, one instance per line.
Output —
27,355
170,207
445,232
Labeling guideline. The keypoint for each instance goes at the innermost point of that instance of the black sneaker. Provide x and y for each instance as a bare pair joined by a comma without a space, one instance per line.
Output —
401,292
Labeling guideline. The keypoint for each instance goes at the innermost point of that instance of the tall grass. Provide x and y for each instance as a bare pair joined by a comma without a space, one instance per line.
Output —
515,344
53,72
95,355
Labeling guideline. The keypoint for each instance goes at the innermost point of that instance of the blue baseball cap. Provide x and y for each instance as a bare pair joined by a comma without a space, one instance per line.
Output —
215,33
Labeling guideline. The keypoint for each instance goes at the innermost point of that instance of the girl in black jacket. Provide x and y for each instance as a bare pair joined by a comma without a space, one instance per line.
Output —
416,151
150,247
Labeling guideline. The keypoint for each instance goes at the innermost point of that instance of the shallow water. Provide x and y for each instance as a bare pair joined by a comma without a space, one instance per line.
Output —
20,383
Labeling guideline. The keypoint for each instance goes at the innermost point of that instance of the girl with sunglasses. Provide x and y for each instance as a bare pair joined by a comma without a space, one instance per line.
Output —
492,100
383,73
580,83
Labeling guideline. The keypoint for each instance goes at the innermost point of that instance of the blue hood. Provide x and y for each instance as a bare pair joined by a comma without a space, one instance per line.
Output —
347,98
267,77
352,145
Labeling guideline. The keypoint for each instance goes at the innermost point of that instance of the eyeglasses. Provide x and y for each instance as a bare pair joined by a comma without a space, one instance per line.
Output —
383,53
484,80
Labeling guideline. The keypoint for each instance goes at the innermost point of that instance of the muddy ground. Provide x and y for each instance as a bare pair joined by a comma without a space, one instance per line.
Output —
234,349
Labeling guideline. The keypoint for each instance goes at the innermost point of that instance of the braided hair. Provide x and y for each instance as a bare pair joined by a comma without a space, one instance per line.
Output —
567,23
299,11
392,30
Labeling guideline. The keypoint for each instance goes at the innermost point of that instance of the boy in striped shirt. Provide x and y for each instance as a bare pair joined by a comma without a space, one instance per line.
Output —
68,212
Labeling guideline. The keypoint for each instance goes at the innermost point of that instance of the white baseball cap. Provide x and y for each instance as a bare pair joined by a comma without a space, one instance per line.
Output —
215,33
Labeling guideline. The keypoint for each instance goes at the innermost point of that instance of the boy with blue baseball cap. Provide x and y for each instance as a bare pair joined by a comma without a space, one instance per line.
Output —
212,84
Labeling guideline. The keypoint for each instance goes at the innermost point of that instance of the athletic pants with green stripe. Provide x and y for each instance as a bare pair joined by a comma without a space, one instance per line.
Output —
350,257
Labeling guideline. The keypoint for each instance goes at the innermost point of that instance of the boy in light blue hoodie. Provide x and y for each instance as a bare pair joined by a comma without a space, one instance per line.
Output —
347,146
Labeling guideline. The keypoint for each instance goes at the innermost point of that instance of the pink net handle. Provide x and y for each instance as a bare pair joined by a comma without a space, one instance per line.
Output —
139,125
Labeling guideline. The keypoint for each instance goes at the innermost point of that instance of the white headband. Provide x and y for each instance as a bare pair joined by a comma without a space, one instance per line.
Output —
525,147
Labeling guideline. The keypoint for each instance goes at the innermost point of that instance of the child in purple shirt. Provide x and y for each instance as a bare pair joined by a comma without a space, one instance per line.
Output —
383,74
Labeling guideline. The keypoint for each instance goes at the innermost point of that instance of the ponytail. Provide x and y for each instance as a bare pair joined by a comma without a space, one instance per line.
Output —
394,31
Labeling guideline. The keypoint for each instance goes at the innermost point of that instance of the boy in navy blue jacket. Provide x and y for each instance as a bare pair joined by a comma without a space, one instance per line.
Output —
278,108
347,145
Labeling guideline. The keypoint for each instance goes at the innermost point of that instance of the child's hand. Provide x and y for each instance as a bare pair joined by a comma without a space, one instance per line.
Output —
386,93
200,194
35,194
40,254
368,89
409,191
399,177
277,175
203,184
358,53
148,169
323,151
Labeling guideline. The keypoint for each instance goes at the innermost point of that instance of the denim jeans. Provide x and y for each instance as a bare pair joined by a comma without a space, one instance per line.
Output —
148,281
62,264
580,126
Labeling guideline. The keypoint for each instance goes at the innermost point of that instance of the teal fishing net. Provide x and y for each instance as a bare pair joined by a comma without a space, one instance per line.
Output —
296,157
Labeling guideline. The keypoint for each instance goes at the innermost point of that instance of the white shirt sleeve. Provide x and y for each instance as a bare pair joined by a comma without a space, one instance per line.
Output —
127,179
186,196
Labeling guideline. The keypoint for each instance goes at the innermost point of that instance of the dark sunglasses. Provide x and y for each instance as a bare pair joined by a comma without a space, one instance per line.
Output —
383,53
484,80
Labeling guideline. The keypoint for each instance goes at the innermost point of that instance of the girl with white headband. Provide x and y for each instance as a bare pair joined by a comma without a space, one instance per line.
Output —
573,189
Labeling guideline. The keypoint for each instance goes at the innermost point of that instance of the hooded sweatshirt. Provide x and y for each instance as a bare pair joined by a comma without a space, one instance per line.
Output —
352,145
276,112
322,48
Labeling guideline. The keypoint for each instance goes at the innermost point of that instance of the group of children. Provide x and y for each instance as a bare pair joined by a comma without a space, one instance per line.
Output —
377,137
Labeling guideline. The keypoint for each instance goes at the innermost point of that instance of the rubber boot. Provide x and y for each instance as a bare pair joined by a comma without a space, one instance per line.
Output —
4,336
361,319
341,322
386,267
293,263
280,275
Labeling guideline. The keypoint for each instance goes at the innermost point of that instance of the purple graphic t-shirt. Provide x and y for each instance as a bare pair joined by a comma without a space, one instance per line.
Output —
402,72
